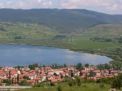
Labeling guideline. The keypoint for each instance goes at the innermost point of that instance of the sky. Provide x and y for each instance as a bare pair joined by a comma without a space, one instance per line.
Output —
106,6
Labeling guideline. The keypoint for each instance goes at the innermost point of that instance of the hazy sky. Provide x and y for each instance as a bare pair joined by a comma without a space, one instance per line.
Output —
107,6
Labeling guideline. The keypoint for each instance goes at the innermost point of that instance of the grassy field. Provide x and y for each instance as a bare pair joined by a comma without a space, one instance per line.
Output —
83,87
35,34
86,43
25,31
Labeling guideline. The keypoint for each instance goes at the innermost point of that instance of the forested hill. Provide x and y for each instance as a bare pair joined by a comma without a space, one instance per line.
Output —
63,20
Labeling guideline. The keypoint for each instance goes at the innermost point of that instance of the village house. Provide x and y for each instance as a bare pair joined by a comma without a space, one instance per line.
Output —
53,75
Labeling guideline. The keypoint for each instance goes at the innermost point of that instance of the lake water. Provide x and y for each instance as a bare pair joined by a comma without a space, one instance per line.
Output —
11,55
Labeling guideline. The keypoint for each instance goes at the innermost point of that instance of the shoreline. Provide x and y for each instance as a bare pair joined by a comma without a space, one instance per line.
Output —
65,48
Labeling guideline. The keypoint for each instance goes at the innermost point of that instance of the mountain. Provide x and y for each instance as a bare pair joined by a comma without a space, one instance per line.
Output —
62,20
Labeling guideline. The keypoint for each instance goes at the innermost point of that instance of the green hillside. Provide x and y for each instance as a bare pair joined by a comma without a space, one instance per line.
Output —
25,31
111,30
62,20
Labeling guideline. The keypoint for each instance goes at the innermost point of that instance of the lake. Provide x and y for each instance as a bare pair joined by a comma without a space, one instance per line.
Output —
11,55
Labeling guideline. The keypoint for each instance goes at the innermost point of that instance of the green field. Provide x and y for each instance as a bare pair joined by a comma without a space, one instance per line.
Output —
36,34
86,43
25,31
84,87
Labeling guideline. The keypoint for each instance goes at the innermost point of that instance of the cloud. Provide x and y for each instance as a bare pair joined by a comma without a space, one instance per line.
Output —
109,6
26,4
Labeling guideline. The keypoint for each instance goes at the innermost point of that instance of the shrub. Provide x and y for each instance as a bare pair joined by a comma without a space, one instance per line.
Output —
59,88
101,85
78,81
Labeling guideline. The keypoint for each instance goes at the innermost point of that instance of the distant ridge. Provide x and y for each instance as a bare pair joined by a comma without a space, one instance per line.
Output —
60,19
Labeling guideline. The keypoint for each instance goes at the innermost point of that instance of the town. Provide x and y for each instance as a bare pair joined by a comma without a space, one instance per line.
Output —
33,74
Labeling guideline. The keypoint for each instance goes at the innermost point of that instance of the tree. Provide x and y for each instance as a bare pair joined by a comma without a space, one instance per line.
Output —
117,82
107,66
104,66
100,67
26,78
33,66
91,74
65,65
79,66
87,65
7,82
0,68
23,83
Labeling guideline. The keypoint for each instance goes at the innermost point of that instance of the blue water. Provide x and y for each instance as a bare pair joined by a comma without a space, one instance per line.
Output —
11,55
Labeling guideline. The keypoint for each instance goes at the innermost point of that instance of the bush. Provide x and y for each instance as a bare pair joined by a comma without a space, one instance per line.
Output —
101,85
117,82
71,82
7,82
78,81
59,88
23,83
42,84
105,80
52,84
